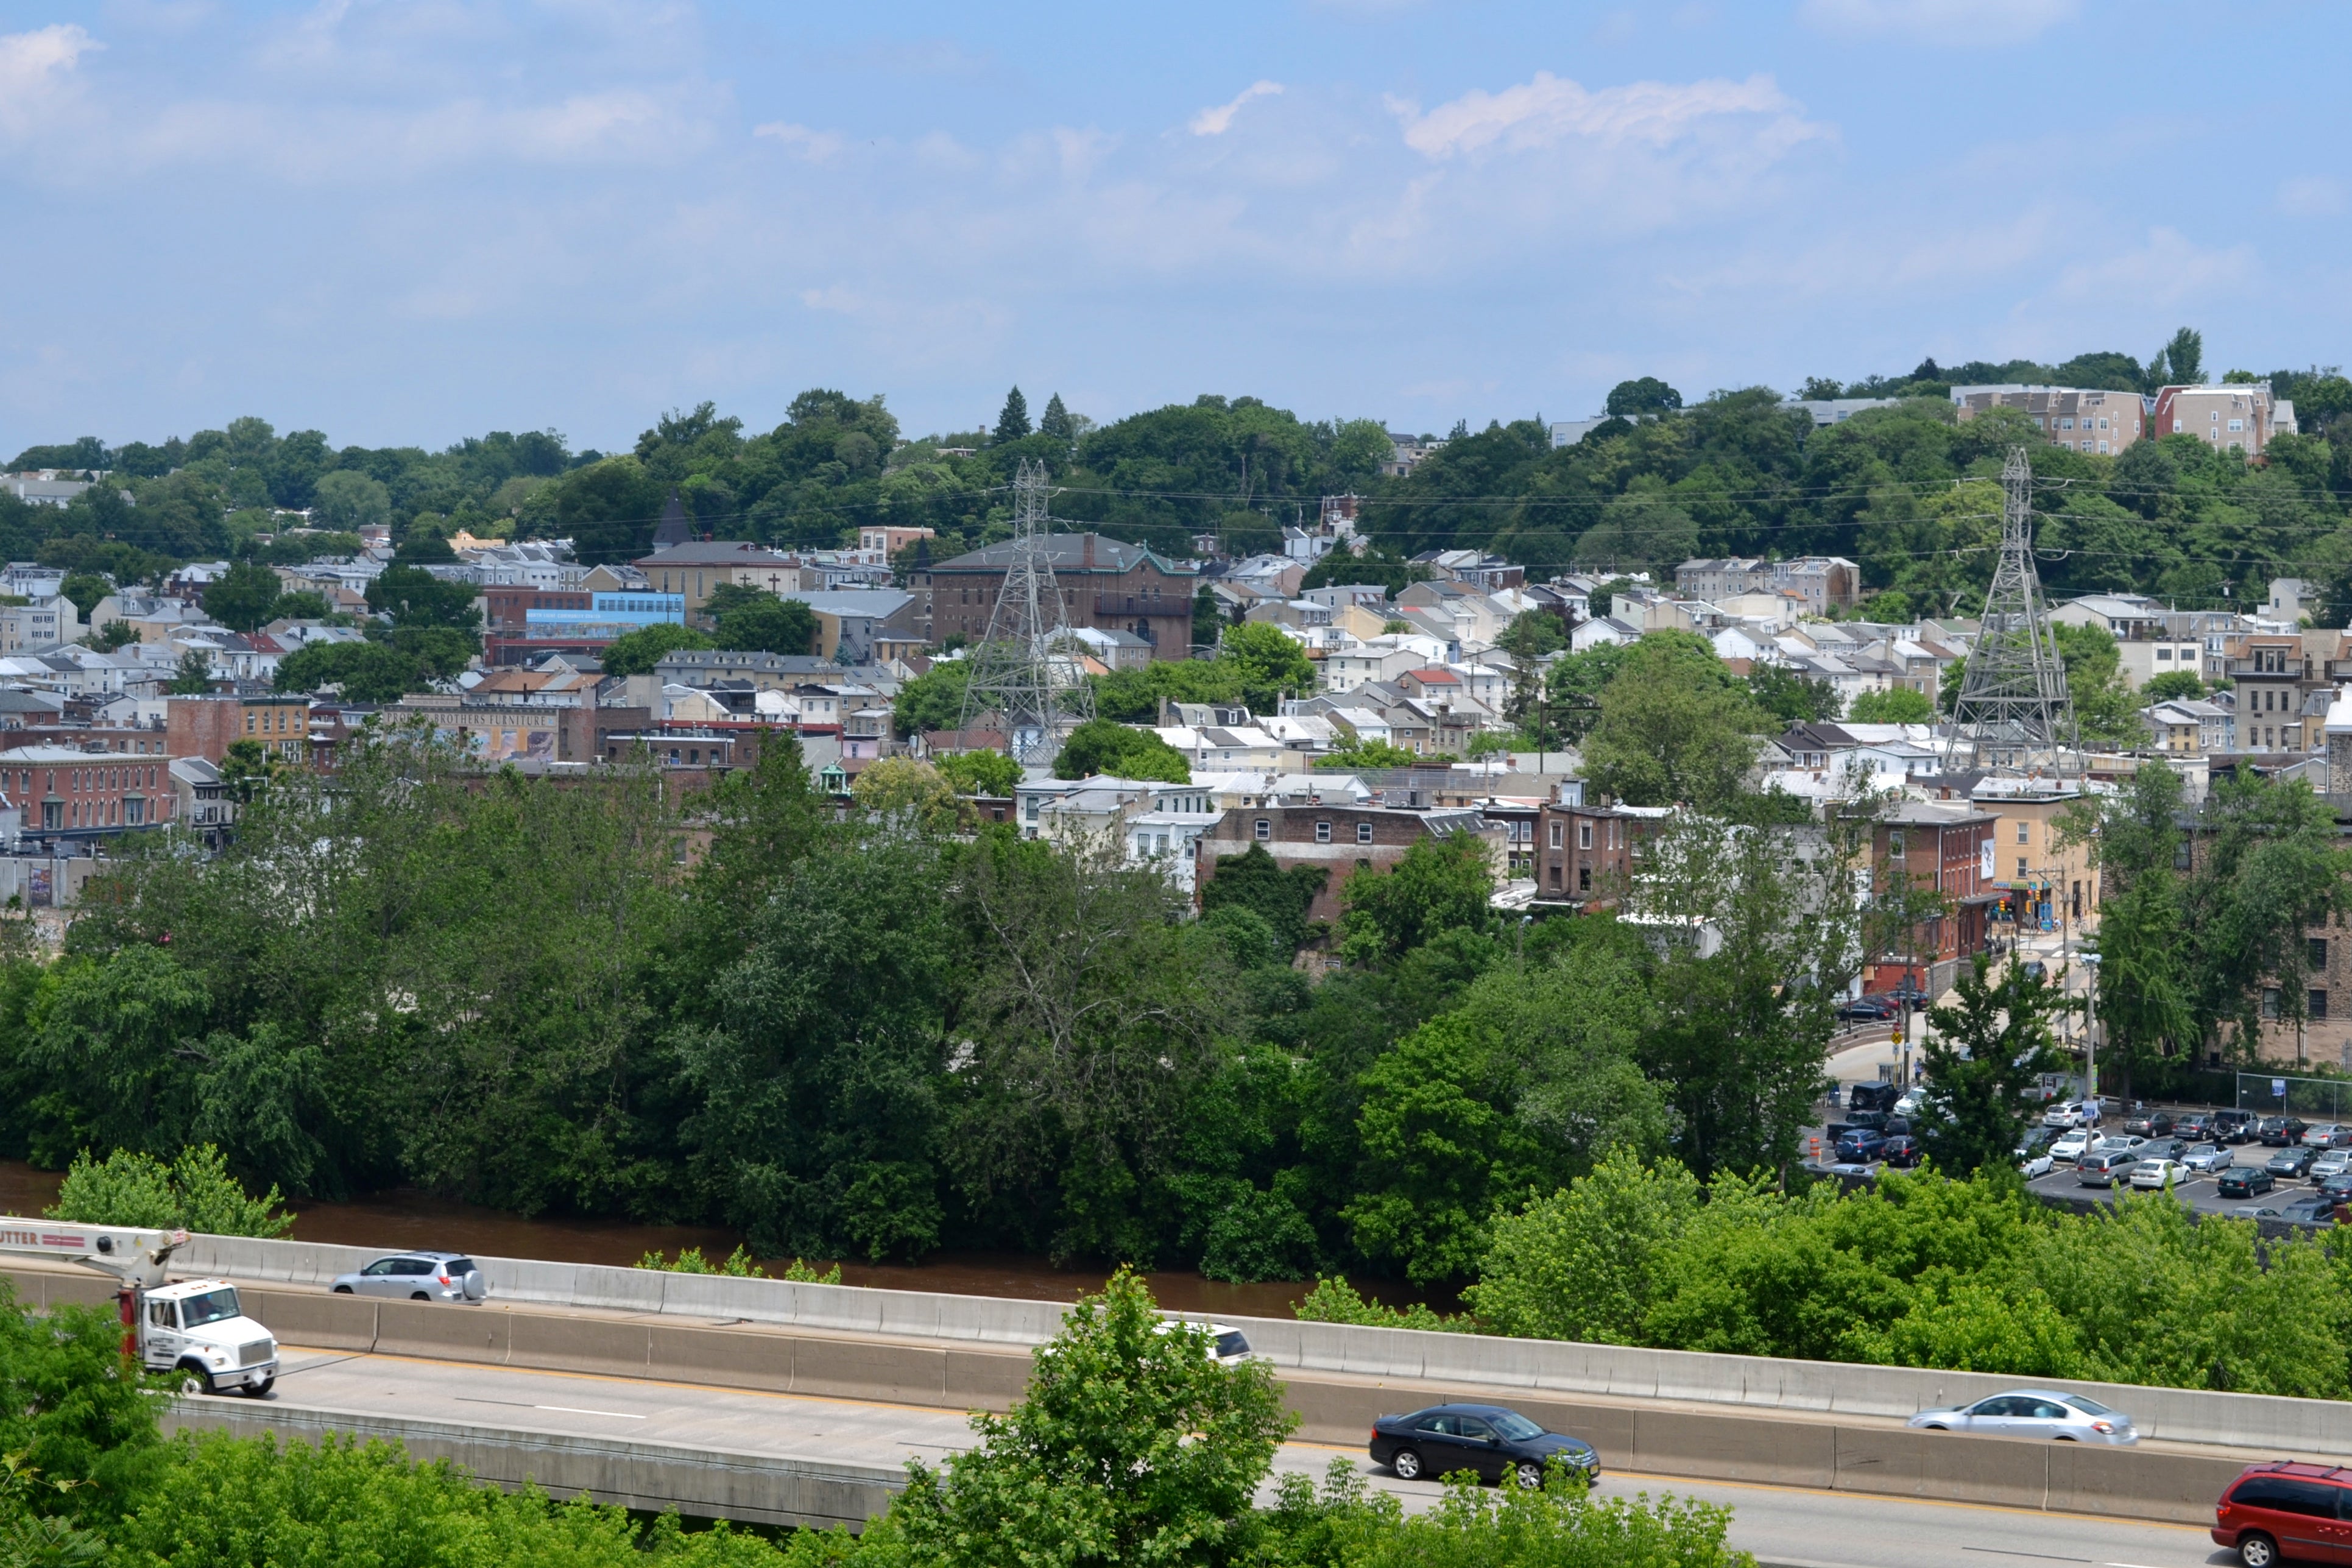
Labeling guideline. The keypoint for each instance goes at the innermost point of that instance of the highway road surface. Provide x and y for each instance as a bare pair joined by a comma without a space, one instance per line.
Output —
1784,1525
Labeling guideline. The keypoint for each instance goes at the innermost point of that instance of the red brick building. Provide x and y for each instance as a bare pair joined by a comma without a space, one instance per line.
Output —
207,726
1584,854
1341,837
1943,849
66,793
1105,582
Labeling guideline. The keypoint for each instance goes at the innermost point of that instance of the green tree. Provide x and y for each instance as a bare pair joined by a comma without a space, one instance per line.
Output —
933,700
1896,705
1892,607
1013,422
1581,1263
1985,1055
1442,883
192,676
1132,1444
1055,420
1269,662
414,596
111,636
1790,698
1648,395
979,773
1101,747
2173,685
194,1192
348,502
2107,710
1372,753
242,598
367,671
636,652
84,590
1280,896
1675,726
909,785
757,621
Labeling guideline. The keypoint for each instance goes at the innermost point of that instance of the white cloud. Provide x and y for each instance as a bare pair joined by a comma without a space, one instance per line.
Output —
1940,21
2168,268
2310,195
1550,109
1218,120
33,65
816,147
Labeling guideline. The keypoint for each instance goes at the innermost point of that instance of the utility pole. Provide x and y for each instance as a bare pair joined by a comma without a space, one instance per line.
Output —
2013,713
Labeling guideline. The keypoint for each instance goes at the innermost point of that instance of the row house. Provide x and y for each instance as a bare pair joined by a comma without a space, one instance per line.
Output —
1943,849
1339,838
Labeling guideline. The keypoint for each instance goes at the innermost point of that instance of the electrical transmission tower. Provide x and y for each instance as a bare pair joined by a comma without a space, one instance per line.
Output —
1025,668
2014,714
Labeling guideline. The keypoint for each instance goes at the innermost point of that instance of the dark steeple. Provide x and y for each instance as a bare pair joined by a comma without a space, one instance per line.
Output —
673,531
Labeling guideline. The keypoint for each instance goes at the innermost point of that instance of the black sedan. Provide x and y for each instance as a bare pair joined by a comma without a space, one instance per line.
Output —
1869,1009
2245,1182
1902,1152
2149,1123
1489,1439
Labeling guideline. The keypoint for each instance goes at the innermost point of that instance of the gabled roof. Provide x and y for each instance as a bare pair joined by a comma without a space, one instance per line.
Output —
1071,552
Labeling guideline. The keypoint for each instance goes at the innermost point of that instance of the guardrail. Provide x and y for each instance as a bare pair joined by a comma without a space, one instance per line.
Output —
1382,1355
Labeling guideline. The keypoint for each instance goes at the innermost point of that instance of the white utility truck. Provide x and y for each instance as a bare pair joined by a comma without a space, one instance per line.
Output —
195,1328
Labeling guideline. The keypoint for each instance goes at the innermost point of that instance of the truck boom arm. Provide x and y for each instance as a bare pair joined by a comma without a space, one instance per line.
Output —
136,1256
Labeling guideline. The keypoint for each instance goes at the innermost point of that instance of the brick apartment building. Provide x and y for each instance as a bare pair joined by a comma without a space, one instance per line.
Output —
208,725
1584,854
2086,420
64,792
1339,836
1104,583
1945,849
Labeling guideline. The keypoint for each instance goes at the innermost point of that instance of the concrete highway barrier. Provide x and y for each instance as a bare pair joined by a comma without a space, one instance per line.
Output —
2312,1426
655,1476
1682,1439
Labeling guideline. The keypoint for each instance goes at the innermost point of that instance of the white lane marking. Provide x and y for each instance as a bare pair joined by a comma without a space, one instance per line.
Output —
566,1409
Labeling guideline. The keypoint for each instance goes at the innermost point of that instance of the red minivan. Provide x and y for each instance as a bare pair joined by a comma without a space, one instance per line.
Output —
2287,1510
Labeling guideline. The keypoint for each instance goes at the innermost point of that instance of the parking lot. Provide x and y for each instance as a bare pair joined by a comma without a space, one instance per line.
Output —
2199,1192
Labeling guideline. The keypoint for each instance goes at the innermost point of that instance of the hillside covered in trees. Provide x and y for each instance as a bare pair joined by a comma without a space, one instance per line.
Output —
1905,491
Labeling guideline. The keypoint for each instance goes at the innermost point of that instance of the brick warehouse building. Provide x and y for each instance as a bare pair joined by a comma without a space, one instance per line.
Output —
1341,837
1105,583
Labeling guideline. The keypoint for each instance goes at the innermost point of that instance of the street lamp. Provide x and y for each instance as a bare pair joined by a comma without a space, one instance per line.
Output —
2091,1032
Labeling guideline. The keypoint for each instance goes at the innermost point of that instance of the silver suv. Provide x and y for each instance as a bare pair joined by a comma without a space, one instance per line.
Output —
417,1276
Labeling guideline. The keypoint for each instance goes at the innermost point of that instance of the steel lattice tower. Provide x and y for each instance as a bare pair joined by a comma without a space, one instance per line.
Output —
2013,713
1026,667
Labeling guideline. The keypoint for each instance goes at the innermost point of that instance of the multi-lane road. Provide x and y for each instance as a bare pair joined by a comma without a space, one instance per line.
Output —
1783,1525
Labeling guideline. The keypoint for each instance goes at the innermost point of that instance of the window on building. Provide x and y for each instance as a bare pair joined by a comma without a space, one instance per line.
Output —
1264,829
2271,1002
2025,833
2067,423
1584,836
1555,835
1322,833
2315,1006
2175,426
1584,878
1555,877
2022,872
2317,945
1363,833
1895,845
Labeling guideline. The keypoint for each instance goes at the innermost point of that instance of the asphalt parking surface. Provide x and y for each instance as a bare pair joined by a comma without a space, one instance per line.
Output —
2199,1193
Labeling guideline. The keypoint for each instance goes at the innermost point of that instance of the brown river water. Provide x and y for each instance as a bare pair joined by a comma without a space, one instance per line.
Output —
396,1219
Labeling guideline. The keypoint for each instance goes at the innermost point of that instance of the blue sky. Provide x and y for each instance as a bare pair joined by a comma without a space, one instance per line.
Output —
407,221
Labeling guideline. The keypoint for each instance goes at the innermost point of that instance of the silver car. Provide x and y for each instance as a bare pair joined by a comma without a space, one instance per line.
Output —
416,1277
2034,1413
2208,1159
